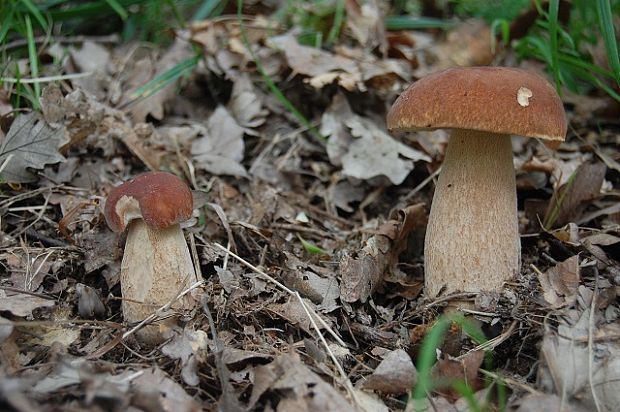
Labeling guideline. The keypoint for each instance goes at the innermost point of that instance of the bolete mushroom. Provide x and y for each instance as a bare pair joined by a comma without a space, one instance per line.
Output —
472,239
156,264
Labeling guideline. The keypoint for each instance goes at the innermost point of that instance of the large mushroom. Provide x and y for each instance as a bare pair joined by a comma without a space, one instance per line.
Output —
472,240
156,264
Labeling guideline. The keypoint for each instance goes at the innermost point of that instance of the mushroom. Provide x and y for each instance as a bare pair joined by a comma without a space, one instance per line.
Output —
156,264
472,239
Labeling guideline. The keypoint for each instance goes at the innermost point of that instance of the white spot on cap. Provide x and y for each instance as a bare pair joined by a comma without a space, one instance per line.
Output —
523,96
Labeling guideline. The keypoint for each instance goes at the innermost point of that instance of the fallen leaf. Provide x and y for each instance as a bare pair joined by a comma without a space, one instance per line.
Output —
546,403
376,153
245,104
560,282
190,347
568,361
30,143
220,150
569,200
395,375
154,385
89,303
365,21
466,369
22,304
322,66
302,389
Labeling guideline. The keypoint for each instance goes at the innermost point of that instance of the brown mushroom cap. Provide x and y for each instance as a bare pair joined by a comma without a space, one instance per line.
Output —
160,198
491,99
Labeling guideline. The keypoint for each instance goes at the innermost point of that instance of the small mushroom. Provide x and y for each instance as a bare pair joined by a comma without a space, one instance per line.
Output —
472,239
156,264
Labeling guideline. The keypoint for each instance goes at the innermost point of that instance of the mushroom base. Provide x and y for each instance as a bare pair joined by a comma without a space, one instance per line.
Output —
156,267
472,239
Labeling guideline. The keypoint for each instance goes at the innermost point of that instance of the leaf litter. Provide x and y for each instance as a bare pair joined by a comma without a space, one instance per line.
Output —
291,330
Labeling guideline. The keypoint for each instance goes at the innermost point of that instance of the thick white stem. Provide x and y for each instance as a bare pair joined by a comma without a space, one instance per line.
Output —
156,267
472,240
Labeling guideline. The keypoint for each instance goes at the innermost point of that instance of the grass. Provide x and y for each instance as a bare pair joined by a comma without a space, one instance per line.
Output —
427,358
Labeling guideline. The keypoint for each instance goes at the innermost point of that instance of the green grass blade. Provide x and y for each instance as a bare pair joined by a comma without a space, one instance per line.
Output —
33,58
554,7
206,8
334,32
120,10
5,26
606,25
311,247
272,86
162,80
415,23
32,8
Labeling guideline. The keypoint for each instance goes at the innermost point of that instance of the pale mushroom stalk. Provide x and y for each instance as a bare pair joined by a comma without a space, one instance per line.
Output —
156,267
475,199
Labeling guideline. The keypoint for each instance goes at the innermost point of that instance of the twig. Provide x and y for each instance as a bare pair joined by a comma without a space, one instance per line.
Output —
113,38
422,184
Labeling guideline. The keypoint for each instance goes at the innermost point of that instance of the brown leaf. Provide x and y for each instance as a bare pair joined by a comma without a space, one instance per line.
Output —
365,20
560,282
466,369
301,389
395,375
569,201
363,271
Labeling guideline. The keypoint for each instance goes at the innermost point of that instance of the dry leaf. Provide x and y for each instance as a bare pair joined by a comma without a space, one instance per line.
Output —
376,153
365,21
300,388
190,347
569,201
466,369
22,304
332,126
395,375
546,403
560,282
220,150
245,104
168,395
567,361
30,143
323,67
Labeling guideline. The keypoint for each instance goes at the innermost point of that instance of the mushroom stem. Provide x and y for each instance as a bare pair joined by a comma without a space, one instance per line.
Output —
472,240
156,267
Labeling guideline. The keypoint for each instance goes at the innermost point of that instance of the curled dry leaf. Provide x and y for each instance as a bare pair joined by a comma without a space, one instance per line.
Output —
245,103
323,67
30,144
569,200
363,271
365,20
560,282
395,375
220,150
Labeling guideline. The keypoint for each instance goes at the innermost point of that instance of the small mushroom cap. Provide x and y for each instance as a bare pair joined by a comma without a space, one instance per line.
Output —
160,198
491,99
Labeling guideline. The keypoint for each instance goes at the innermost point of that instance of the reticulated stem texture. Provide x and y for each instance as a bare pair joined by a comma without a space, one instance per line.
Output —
156,267
472,239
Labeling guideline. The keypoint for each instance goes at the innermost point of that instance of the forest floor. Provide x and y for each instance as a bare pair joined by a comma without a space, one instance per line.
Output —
309,241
